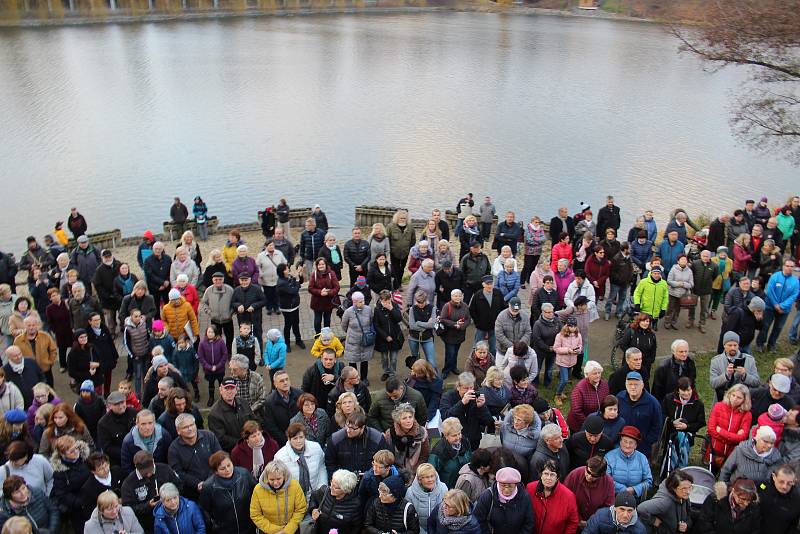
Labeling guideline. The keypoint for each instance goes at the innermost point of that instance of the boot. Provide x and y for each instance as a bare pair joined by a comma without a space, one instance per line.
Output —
210,402
701,328
559,400
690,324
196,392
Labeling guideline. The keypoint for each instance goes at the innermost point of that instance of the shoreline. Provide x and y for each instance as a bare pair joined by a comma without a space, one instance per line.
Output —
476,7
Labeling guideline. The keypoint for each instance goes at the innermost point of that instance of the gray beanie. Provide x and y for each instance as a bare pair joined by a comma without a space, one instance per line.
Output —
756,304
730,336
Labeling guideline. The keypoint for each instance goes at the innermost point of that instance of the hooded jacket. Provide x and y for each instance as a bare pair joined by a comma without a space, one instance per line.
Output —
188,518
604,522
425,501
40,511
68,479
744,462
590,498
556,513
126,520
716,515
471,482
227,502
667,507
651,296
523,442
177,317
273,510
495,516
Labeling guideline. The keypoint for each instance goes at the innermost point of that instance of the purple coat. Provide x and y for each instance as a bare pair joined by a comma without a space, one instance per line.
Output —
562,283
35,406
244,265
213,353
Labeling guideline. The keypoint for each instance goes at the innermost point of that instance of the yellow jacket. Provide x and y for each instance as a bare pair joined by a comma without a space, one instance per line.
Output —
61,237
46,350
229,254
335,344
176,317
717,283
274,511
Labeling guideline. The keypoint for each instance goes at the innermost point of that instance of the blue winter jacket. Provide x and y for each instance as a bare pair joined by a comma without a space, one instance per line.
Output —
275,353
782,290
187,520
669,254
629,471
652,230
641,254
508,284
602,523
644,414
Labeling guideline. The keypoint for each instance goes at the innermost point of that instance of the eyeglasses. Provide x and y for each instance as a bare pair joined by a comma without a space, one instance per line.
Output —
591,475
353,428
548,474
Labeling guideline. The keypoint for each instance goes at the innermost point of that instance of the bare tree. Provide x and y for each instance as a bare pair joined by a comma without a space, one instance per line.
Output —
764,37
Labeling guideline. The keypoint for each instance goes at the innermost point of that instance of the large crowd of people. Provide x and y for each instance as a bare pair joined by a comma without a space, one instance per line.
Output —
605,454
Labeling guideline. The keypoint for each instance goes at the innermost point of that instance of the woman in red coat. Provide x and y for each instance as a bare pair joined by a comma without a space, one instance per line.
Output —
729,423
560,250
554,508
324,288
597,269
587,395
255,450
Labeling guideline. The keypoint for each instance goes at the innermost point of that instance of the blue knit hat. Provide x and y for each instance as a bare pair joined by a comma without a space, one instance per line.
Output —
15,416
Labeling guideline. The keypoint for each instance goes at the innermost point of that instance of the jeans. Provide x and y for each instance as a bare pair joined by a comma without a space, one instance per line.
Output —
138,375
389,360
620,293
202,231
450,357
319,318
271,296
546,361
794,330
563,377
428,348
770,316
110,317
488,336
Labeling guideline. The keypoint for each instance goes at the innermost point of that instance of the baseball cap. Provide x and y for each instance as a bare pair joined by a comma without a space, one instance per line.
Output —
228,382
634,375
515,303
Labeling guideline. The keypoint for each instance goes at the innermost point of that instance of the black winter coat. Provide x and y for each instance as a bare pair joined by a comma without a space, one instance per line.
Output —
353,454
190,462
226,421
105,348
91,412
543,335
277,414
103,281
779,512
474,268
556,227
150,388
30,376
644,340
312,381
704,275
138,492
743,322
580,450
484,314
253,296
357,253
325,253
401,518
607,218
289,292
445,283
378,281
542,296
92,489
495,516
68,479
146,305
8,270
693,412
665,379
361,392
387,324
715,517
472,418
111,430
505,234
227,506
622,269
311,243
616,382
156,271
345,515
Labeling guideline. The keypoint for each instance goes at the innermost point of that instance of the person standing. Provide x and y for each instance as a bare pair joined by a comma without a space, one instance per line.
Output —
486,215
247,302
178,212
401,238
85,259
463,210
156,271
311,241
76,223
534,238
508,233
267,262
484,308
357,255
103,281
608,217
282,213
200,212
782,291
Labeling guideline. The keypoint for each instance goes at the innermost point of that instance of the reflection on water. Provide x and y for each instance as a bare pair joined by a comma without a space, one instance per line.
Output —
411,109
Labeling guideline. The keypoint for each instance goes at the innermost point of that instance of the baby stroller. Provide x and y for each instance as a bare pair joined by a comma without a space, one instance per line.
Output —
702,487
617,351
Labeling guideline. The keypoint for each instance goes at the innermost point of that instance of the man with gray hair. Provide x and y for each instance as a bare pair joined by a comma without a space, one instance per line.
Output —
665,379
250,388
422,280
704,273
22,372
188,455
633,362
229,414
550,447
157,267
468,406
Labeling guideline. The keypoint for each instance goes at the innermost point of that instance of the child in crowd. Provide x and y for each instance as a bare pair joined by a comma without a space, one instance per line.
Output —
246,344
274,352
161,338
187,364
775,418
131,401
213,355
567,346
548,414
327,339
584,313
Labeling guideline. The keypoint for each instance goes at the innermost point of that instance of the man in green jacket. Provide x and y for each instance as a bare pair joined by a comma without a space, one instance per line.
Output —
380,413
401,238
704,272
651,296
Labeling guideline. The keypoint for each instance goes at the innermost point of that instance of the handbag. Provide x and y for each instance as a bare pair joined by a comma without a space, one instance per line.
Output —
689,300
439,328
368,336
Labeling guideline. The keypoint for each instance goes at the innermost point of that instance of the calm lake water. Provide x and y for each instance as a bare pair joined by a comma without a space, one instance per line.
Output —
408,109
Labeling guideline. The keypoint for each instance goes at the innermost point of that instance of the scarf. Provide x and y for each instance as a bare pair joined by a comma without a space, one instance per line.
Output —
472,230
104,481
761,454
305,477
335,260
452,522
258,458
127,284
313,423
503,498
182,265
17,367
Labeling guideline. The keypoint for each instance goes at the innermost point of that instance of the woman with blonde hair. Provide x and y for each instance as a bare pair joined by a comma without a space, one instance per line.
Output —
432,234
729,423
378,242
494,389
109,514
742,255
346,404
470,232
519,431
215,264
442,253
192,247
426,493
453,515
278,503
183,264
17,525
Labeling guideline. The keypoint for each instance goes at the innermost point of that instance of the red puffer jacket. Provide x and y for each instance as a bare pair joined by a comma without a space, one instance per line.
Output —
733,427
316,283
556,514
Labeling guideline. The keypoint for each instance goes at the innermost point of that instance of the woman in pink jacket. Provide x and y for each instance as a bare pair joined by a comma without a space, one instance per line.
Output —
567,346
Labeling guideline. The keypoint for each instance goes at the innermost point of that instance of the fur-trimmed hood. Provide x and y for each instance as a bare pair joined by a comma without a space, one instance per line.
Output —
59,465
